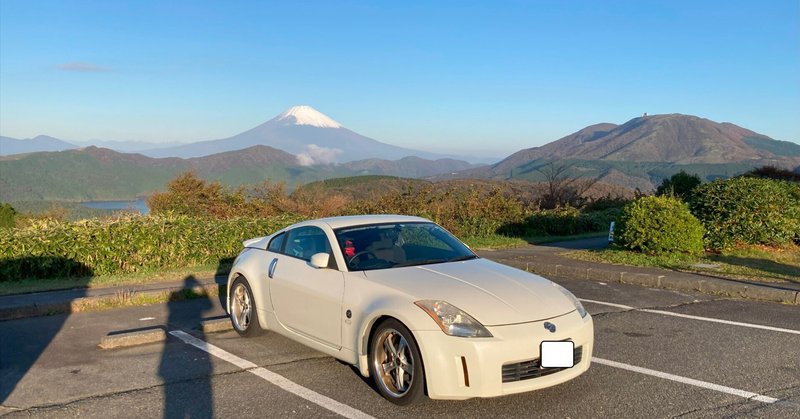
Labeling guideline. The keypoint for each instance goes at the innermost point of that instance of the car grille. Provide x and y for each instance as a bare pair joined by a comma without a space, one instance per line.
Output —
527,370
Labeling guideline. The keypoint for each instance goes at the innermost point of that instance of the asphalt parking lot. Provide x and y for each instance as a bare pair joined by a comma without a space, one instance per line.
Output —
687,355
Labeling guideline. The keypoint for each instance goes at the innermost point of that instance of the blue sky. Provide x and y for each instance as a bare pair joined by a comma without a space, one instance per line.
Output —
489,76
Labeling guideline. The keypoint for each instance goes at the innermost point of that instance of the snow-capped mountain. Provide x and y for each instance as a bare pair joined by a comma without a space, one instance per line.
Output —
306,115
301,130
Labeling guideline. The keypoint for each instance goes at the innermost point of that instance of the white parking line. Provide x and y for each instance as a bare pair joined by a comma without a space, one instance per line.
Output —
689,316
276,379
685,380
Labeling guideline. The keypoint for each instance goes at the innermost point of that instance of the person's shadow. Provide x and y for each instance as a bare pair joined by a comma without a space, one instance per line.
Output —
186,370
23,341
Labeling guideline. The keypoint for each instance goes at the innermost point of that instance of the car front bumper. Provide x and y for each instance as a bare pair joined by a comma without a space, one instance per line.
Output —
460,368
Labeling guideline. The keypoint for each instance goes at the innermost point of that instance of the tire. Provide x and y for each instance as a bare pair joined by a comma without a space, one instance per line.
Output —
243,309
392,347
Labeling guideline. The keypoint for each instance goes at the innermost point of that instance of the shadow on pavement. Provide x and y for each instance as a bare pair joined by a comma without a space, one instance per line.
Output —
20,344
186,373
223,268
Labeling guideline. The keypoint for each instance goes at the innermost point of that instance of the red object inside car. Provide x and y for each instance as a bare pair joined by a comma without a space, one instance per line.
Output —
349,249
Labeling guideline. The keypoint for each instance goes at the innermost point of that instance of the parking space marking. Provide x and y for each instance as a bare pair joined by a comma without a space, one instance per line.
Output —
271,377
685,380
689,316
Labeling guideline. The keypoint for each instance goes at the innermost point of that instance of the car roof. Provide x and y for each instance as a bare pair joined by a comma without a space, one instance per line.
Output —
356,220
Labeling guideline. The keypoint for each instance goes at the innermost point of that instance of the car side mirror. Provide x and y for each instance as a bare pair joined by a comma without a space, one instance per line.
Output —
320,260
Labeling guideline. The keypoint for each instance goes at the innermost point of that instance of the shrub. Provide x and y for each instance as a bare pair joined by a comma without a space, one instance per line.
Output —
564,221
746,210
129,244
465,213
659,224
680,184
605,203
7,216
190,195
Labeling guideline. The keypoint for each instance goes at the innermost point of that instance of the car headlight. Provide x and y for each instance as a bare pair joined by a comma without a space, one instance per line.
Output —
582,311
452,320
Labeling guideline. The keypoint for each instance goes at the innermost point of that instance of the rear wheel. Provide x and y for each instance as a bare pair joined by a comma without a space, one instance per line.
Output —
396,364
243,309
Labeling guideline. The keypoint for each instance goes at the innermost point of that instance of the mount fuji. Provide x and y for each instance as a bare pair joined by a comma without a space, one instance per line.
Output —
312,136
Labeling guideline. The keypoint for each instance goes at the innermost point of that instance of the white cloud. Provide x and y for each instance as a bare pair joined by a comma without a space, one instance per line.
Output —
314,154
83,67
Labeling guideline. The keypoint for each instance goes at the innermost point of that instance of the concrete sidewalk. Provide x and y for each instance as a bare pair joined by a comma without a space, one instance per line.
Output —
541,259
546,260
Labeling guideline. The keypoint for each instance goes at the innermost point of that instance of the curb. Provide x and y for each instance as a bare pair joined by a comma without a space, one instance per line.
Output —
125,339
216,325
134,338
98,303
708,286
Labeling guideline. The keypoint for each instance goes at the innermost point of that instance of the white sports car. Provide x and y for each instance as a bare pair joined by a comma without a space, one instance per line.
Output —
407,303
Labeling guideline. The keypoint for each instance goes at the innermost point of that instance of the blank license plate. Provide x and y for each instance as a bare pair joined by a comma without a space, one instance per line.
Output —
558,354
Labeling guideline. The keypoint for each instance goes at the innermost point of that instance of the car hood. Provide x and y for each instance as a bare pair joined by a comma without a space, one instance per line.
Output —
492,293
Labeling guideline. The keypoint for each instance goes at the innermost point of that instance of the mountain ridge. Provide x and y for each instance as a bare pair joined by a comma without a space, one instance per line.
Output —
94,173
642,151
9,146
300,130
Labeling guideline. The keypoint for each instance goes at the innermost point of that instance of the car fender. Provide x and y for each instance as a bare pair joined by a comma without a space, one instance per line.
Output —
252,265
398,307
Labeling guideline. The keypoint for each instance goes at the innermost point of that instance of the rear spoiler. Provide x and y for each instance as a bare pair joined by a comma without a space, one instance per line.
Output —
251,242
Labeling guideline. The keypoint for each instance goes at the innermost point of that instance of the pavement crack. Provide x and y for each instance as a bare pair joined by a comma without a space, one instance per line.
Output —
688,412
684,304
662,307
6,409
294,361
68,403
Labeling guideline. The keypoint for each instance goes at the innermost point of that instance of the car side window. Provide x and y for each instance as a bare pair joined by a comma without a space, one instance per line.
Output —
276,243
304,242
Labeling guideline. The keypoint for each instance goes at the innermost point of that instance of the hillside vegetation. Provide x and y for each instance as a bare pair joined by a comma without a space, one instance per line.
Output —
749,227
125,245
94,173
197,222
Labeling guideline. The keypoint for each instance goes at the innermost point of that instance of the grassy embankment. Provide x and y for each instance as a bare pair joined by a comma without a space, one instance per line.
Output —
748,262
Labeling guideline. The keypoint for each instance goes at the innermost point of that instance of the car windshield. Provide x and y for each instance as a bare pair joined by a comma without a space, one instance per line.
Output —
381,246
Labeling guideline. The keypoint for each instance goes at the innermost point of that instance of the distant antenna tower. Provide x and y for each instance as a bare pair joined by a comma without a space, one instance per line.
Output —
645,115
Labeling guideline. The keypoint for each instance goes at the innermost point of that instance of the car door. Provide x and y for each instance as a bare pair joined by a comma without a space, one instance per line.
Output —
307,300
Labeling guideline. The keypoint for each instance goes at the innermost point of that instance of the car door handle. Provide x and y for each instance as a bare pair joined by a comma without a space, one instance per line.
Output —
272,266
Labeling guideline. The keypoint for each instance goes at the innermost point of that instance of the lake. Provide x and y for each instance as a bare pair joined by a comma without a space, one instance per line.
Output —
138,205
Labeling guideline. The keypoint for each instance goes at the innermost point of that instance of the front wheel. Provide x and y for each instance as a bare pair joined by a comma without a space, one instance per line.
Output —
396,364
243,309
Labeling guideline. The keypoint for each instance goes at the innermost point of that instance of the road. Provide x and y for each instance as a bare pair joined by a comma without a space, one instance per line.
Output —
677,359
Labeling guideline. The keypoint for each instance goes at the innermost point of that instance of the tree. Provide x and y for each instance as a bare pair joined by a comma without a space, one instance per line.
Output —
188,194
680,185
563,189
8,216
772,172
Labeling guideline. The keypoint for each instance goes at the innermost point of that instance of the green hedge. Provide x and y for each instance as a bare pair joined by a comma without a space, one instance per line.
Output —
562,222
659,224
747,210
93,247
